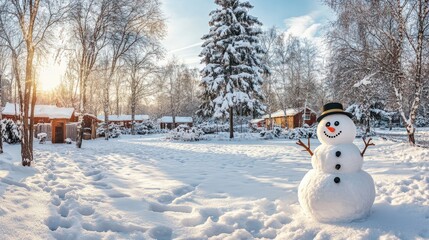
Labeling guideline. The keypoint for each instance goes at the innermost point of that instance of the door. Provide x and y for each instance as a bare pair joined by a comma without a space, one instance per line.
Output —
59,133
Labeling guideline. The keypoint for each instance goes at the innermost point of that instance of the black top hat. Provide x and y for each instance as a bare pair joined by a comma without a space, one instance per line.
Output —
333,108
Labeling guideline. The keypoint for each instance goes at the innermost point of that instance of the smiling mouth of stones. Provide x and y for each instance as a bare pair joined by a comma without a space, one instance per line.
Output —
336,135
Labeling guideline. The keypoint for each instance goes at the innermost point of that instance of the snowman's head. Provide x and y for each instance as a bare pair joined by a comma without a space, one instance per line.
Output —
336,129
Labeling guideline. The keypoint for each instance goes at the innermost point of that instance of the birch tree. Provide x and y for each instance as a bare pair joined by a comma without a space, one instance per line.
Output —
3,65
396,33
268,43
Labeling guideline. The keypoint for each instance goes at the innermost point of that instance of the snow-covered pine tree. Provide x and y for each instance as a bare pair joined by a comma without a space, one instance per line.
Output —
232,55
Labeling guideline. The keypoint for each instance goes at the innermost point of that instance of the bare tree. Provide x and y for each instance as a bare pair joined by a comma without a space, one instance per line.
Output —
135,22
174,87
66,93
190,80
90,22
3,66
268,41
390,36
140,64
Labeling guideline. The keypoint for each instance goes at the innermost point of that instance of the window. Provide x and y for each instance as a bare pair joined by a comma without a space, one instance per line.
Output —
307,116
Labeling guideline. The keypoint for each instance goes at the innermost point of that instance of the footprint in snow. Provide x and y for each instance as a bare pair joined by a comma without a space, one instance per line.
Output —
54,222
101,185
85,210
117,195
63,211
161,233
97,177
91,173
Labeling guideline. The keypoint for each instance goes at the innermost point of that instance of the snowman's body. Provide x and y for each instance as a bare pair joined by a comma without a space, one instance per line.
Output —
337,189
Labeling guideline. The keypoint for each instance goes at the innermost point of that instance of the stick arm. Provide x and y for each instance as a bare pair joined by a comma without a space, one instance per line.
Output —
306,148
367,144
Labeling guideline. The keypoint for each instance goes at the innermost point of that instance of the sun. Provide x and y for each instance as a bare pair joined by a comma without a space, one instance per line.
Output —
50,75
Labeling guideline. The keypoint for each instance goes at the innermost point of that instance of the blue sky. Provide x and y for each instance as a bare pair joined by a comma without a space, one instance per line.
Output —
187,22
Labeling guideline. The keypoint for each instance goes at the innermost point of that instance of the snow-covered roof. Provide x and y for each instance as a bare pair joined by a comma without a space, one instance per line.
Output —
48,111
120,118
289,112
169,119
256,120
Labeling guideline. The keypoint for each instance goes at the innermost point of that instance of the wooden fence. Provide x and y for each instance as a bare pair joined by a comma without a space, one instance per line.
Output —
71,130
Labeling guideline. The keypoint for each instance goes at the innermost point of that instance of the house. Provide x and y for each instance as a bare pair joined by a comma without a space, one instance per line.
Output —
291,118
58,117
124,120
166,122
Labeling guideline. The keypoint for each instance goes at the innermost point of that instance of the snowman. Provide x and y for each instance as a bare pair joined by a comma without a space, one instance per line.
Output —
336,189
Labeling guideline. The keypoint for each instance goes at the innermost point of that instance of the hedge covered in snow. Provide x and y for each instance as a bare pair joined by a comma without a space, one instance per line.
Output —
186,133
114,130
146,127
296,133
302,133
10,131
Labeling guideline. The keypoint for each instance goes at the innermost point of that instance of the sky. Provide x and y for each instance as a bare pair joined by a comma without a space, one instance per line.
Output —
187,22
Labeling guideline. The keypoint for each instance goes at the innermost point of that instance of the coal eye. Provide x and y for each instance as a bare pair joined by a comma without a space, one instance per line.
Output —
328,124
336,123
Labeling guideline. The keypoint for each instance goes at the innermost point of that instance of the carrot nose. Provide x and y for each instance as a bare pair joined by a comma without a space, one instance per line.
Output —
331,129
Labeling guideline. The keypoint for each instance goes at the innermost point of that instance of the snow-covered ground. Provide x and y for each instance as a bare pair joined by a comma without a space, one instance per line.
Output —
145,187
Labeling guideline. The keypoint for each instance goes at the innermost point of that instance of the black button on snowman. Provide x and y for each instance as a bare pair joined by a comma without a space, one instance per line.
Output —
336,189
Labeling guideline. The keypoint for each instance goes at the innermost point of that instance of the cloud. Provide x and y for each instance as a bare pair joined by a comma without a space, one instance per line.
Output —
310,27
187,47
302,26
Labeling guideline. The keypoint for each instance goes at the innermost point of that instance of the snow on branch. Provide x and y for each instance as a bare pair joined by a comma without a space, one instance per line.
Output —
365,81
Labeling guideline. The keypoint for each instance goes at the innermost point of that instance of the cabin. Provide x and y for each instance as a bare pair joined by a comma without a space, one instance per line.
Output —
291,118
166,122
58,117
124,120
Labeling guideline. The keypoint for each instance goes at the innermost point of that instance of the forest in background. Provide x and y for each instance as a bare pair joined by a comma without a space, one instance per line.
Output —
374,59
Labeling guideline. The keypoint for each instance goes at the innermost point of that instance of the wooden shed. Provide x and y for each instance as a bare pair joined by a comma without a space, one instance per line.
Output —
58,128
291,118
58,117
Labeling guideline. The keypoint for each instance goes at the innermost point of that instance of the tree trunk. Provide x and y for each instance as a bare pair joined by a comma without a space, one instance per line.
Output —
106,120
173,119
82,102
411,138
133,129
367,121
118,112
133,111
1,117
79,136
33,104
106,95
231,123
26,150
106,111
